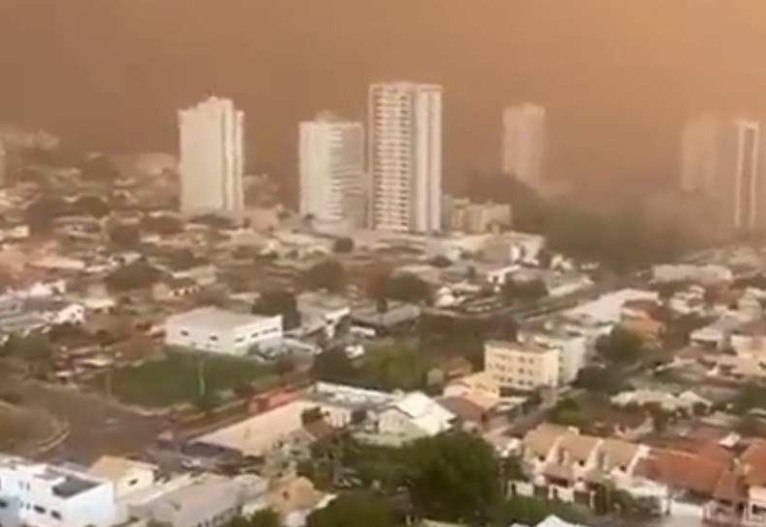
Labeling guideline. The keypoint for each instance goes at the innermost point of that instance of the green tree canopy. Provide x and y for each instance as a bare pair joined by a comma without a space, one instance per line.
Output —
126,236
454,477
279,302
328,274
407,287
343,245
136,275
355,509
620,347
523,291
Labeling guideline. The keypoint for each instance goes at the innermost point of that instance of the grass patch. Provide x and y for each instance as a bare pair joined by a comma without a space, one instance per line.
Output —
174,379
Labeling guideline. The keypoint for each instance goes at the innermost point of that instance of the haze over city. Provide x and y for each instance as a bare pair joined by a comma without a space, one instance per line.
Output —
382,263
617,78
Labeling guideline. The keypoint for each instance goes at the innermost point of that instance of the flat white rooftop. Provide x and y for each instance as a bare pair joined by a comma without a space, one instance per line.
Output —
215,319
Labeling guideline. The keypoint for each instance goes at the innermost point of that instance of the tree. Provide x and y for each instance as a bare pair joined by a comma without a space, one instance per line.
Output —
279,302
343,245
531,511
453,476
354,510
41,212
328,274
136,275
620,347
262,518
408,287
126,236
598,379
164,225
440,261
333,365
92,206
524,291
99,168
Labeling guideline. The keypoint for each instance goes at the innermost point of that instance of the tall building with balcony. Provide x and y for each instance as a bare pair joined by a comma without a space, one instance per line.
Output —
331,158
405,156
725,161
211,157
524,143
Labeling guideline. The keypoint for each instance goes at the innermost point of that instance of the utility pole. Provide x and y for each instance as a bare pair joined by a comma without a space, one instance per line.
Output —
201,376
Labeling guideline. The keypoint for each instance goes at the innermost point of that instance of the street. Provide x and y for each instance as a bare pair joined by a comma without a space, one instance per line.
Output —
97,427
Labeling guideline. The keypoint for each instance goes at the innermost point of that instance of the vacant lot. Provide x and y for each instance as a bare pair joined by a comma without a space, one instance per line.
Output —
176,378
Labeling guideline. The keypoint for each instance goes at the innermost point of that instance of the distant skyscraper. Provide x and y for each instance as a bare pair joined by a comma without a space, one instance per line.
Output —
724,160
331,161
524,143
212,157
3,163
405,156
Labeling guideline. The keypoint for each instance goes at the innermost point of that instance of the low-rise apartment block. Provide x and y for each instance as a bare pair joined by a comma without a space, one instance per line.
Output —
215,330
521,366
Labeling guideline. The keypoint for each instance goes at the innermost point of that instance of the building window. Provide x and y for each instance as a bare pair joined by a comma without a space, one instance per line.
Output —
39,510
56,515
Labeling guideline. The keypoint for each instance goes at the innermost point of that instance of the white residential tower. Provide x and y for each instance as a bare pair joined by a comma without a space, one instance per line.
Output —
331,157
524,143
723,160
211,157
405,156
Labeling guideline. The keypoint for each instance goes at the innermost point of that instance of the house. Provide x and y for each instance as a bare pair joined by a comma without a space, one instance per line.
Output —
34,493
414,415
282,427
321,312
470,415
127,475
521,366
128,478
193,500
174,288
563,464
607,309
687,401
702,274
739,497
396,316
572,348
717,335
216,330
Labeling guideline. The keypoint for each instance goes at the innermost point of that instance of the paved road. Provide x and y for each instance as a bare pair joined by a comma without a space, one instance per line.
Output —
97,426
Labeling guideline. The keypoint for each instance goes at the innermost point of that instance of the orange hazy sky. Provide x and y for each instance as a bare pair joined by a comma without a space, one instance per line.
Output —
617,76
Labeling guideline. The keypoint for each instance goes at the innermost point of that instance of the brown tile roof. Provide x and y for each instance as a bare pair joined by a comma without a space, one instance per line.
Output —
579,447
319,429
540,440
464,408
730,486
683,470
753,462
618,453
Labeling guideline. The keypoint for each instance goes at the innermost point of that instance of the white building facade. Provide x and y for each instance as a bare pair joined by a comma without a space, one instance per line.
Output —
331,158
524,143
41,495
521,366
725,160
405,156
211,157
218,331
